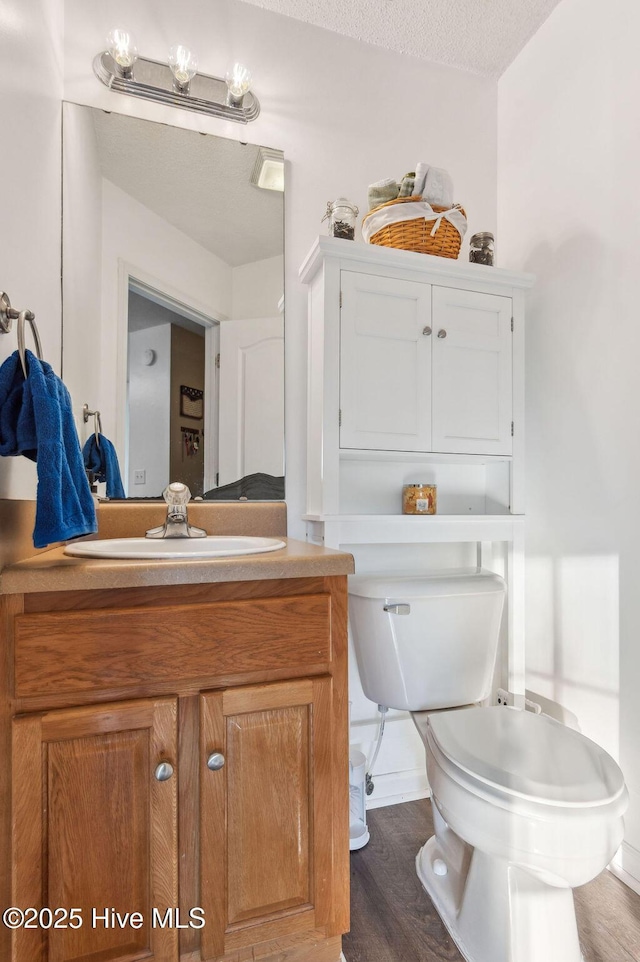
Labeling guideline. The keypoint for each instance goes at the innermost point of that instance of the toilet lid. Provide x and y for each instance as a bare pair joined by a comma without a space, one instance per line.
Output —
527,755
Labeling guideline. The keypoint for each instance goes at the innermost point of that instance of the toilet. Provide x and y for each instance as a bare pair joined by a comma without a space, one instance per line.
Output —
524,808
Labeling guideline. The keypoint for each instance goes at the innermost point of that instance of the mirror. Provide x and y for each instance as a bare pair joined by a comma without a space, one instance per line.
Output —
173,325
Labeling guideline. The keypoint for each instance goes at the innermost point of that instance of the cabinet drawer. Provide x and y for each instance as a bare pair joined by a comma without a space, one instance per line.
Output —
57,652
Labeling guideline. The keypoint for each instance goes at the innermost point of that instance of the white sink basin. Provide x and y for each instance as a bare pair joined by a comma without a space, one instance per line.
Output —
149,548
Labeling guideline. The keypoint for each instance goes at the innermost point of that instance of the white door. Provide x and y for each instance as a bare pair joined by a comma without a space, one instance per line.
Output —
251,398
472,382
385,364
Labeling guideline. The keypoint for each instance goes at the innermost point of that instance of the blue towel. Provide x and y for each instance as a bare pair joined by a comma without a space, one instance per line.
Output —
103,461
36,421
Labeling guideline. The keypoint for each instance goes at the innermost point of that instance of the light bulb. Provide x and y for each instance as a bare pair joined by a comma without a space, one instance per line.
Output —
184,65
238,79
122,47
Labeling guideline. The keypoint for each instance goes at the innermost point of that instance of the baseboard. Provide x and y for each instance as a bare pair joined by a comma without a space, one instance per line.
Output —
626,866
398,787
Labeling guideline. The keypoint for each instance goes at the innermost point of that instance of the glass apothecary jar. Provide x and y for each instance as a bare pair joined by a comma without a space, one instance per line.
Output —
342,216
419,498
481,248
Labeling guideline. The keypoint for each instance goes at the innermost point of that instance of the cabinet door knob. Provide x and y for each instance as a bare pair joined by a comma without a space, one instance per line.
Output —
426,331
163,771
442,333
215,761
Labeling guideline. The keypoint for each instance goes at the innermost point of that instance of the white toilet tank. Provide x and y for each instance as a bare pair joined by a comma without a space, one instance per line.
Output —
429,641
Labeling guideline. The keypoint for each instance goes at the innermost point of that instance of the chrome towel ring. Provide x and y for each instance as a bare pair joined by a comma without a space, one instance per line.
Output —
97,421
9,314
31,318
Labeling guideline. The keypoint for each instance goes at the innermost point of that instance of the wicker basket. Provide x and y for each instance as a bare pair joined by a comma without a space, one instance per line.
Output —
415,235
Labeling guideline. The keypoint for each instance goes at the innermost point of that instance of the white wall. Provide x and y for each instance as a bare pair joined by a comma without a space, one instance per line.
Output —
149,412
569,207
257,288
31,77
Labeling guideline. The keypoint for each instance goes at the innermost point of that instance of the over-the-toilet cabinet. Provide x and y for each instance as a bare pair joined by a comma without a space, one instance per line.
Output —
424,367
412,358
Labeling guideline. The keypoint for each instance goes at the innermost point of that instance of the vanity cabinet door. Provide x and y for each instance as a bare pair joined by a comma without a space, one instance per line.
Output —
268,851
385,363
95,829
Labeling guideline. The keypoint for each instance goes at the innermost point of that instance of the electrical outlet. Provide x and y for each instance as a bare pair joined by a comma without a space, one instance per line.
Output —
139,477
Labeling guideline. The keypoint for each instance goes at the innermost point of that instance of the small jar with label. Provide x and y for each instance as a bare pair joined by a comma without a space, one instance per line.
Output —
419,498
342,215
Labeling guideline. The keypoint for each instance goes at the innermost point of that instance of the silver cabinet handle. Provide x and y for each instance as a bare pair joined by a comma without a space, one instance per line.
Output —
426,331
215,761
442,333
163,771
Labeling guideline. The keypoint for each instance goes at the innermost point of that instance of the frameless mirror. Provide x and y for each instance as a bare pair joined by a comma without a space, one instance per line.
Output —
173,323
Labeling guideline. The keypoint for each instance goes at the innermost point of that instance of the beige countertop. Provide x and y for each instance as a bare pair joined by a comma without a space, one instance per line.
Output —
54,571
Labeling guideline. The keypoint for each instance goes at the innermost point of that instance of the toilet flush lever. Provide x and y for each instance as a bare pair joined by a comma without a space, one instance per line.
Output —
398,609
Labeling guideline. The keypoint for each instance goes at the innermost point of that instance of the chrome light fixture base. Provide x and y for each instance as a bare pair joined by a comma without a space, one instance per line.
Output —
153,80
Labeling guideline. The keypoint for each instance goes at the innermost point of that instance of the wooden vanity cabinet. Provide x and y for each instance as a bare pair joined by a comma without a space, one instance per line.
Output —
190,758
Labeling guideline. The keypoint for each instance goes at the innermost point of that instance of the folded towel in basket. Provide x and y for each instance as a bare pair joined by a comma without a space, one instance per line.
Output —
438,187
434,185
382,191
36,421
407,184
422,169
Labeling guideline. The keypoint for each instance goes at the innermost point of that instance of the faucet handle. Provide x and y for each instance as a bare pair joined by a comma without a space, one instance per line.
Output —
177,525
176,493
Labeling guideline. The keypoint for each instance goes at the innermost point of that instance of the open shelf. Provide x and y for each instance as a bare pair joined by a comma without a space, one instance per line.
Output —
334,530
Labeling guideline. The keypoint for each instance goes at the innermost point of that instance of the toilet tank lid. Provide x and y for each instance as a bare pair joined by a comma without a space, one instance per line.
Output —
438,584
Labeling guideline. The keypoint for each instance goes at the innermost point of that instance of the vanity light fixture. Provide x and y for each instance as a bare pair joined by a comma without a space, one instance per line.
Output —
268,170
177,82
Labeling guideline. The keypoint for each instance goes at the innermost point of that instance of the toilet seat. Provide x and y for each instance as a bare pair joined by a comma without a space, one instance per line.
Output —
518,758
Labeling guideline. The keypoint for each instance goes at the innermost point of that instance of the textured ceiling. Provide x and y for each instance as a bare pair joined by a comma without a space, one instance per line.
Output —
483,36
196,182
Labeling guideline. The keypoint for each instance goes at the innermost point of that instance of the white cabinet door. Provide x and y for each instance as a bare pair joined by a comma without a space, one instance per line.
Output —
385,360
472,379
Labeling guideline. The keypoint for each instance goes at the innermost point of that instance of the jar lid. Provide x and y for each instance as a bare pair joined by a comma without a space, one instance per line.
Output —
343,202
419,484
482,236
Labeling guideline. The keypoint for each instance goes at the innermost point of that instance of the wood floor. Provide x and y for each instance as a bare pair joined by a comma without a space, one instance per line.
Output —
392,919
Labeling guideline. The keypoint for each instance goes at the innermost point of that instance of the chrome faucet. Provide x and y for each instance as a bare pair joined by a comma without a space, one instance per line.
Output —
177,525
